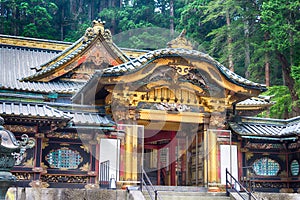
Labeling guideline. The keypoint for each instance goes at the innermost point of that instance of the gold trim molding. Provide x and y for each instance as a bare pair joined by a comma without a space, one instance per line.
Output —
33,43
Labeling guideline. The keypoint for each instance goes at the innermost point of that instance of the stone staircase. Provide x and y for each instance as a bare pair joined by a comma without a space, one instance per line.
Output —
186,193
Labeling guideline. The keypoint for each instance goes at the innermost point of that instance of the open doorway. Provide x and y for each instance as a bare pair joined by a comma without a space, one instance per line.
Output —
109,160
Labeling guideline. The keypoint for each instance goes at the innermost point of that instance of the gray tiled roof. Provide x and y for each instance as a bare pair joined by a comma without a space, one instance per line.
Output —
250,126
256,101
88,118
35,110
138,63
68,54
15,63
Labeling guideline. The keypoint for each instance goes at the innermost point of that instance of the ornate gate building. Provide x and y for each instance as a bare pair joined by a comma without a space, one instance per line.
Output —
98,111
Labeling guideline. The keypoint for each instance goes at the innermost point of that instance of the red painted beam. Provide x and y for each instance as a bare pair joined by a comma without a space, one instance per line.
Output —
154,146
159,136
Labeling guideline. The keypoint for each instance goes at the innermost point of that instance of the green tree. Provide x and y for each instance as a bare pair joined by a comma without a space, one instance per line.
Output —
281,21
28,18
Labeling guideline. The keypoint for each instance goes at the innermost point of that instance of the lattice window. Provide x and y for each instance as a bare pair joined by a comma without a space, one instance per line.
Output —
266,167
64,158
295,168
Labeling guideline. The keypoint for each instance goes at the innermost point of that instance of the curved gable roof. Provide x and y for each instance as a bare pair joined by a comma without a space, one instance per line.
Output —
96,37
142,61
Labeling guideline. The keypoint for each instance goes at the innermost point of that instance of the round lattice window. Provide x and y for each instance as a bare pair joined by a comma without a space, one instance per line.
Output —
266,167
295,168
64,158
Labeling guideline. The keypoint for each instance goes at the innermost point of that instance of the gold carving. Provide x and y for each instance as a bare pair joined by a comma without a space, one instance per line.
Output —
20,128
182,69
38,184
85,167
180,42
37,169
45,143
29,163
249,155
85,148
62,135
21,176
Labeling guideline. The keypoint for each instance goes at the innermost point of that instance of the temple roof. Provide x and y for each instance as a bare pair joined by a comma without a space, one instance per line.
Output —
263,127
16,62
32,110
257,101
96,45
88,118
76,118
141,61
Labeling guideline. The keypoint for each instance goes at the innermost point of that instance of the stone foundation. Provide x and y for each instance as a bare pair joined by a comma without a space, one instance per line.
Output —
277,196
64,194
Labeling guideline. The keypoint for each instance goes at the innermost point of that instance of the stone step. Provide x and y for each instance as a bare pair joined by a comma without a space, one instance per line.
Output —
173,195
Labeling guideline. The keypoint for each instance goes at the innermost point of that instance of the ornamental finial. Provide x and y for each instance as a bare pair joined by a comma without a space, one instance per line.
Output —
180,42
98,28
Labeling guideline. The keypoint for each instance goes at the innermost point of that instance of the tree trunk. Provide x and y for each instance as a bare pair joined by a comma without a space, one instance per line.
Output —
172,18
62,23
267,69
267,61
247,49
14,14
290,83
2,14
229,43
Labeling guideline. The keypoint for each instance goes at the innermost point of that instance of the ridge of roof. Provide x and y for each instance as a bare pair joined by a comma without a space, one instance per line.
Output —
20,41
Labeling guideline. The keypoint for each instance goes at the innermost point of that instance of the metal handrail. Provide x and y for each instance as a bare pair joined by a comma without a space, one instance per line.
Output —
149,187
250,195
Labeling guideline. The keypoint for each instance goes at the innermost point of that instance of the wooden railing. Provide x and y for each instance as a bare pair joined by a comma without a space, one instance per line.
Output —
231,185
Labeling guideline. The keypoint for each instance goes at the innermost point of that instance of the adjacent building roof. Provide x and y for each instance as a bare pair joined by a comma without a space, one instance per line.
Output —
263,101
91,119
16,62
96,45
264,127
34,110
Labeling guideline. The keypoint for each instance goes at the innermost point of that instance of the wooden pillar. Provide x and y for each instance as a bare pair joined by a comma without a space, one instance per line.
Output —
206,155
38,156
183,166
213,163
128,154
134,158
158,167
38,169
122,159
94,161
172,158
186,159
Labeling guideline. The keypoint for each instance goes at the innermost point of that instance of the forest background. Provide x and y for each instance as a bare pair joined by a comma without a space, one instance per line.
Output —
257,39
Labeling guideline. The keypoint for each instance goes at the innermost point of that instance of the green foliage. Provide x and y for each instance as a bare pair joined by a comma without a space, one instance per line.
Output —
149,38
281,20
283,101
